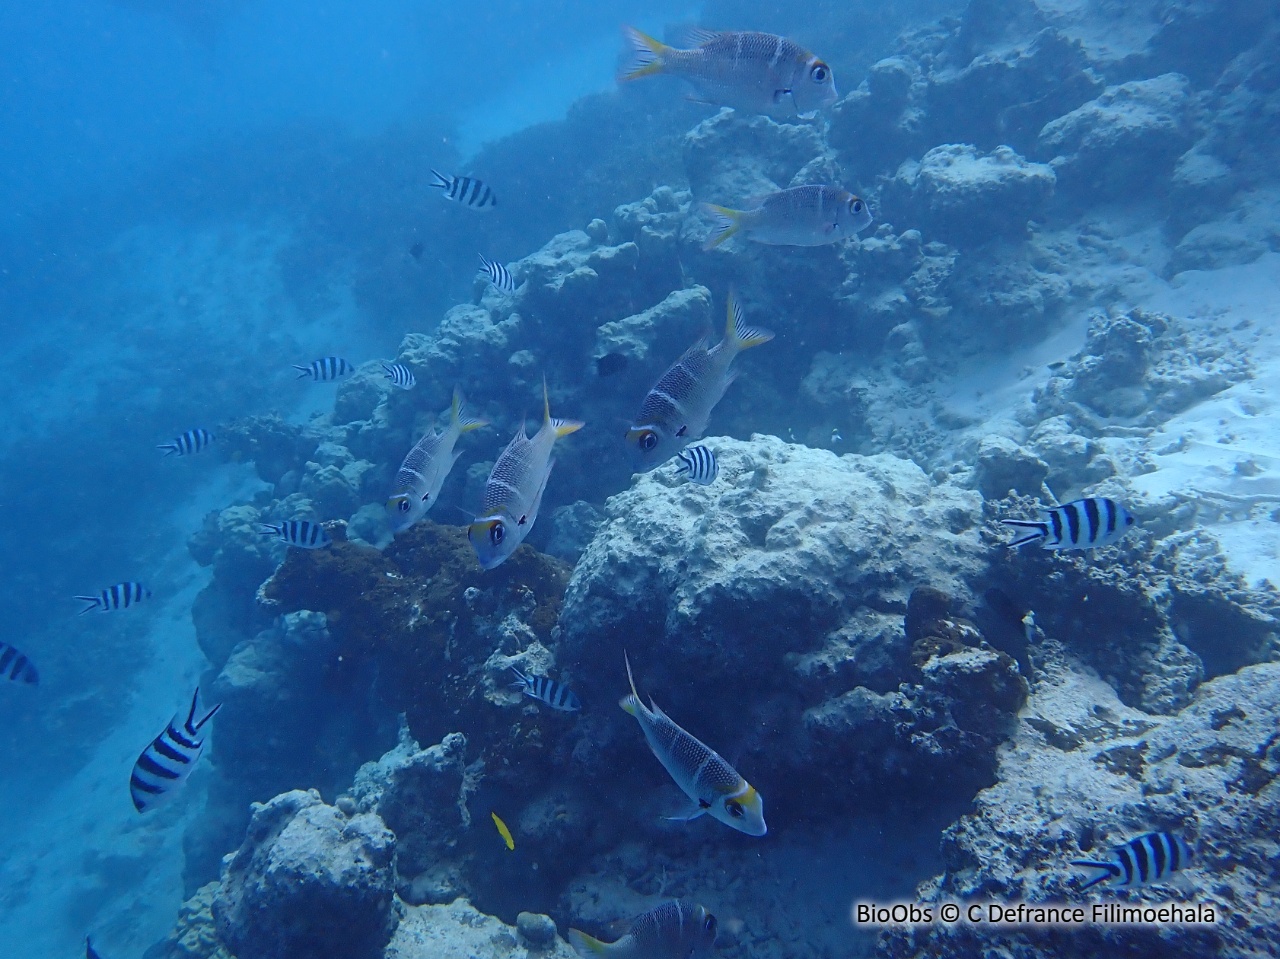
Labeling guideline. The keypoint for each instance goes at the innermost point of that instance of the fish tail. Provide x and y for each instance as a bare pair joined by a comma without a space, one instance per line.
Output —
728,222
195,708
646,57
91,600
303,372
442,182
562,427
1108,871
464,424
1040,531
738,335
586,946
631,702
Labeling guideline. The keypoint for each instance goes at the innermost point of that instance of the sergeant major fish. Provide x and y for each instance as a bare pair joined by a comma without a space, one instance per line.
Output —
678,408
426,467
15,667
167,761
325,369
800,216
678,929
715,786
119,596
554,694
699,464
301,533
466,190
498,274
400,375
1152,857
1080,524
513,492
751,72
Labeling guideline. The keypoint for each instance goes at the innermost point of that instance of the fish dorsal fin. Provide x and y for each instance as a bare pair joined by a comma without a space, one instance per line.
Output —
692,36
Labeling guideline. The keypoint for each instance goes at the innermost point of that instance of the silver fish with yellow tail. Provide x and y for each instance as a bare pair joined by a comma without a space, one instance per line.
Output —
426,467
676,411
513,491
800,216
678,929
716,787
752,72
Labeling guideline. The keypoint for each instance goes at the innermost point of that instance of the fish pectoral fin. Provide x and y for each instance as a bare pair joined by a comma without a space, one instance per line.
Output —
690,814
780,95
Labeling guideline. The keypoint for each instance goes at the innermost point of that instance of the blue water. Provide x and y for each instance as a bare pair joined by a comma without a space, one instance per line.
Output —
196,196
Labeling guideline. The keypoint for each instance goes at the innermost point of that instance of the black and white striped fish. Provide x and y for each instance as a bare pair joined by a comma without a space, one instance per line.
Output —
298,532
15,667
192,441
1080,524
465,190
700,465
119,596
168,760
325,369
400,375
556,695
498,275
1152,857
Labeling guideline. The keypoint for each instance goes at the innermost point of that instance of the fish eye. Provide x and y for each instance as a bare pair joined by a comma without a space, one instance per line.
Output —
820,73
403,506
856,205
709,924
497,532
648,440
735,809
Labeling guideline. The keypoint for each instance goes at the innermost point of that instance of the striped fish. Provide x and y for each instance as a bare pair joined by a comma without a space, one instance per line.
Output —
498,275
167,761
298,532
1080,524
119,596
400,375
325,369
700,464
714,785
556,695
1152,857
465,190
15,667
678,929
192,441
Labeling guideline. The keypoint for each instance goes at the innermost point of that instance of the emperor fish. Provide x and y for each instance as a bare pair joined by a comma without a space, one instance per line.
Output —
678,929
426,467
699,770
751,72
1153,857
800,216
677,409
513,492
1080,524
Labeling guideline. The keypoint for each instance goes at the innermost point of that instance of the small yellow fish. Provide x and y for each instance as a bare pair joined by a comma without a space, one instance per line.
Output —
503,831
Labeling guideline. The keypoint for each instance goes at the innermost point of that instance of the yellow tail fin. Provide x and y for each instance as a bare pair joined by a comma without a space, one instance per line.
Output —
588,947
646,56
465,424
728,222
736,333
562,427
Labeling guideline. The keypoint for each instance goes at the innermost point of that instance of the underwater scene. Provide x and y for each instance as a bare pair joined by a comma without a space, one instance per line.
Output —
640,480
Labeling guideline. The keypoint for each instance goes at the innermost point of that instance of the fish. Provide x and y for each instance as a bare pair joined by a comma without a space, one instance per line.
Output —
465,190
678,929
426,466
192,441
119,596
498,275
611,364
298,532
503,831
752,72
676,411
1081,524
89,951
702,773
554,694
400,375
1152,857
699,463
513,491
15,667
325,369
799,216
168,759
